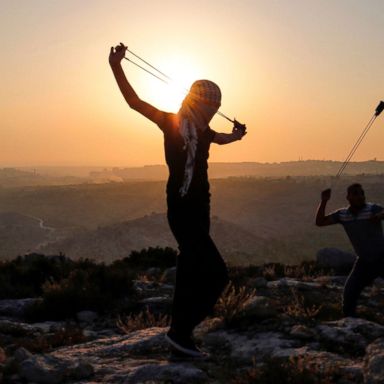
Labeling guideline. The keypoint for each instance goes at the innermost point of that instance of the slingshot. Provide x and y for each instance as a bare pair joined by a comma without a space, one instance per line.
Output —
168,80
378,110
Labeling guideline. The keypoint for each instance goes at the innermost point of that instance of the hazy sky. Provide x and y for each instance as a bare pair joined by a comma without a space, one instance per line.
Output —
304,75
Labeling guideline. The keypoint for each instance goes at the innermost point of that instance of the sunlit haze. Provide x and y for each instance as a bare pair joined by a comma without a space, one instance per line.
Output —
305,77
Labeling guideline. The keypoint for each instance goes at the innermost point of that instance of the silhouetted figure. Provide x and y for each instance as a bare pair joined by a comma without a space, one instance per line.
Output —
362,223
201,273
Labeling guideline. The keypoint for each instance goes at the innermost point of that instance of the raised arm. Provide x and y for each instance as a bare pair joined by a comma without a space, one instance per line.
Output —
147,110
321,218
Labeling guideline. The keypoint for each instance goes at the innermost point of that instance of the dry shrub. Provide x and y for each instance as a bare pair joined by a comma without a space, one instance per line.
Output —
299,309
269,272
232,301
142,320
306,271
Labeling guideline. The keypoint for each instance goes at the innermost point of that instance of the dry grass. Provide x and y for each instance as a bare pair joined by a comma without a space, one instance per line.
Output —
299,309
269,272
142,320
231,302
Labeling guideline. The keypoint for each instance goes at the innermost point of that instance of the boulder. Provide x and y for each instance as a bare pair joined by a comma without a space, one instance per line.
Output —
17,307
374,363
258,282
86,316
244,347
336,259
353,334
181,373
22,354
46,369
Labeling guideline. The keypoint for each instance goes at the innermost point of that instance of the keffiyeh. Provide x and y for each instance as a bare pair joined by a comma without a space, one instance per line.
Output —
190,122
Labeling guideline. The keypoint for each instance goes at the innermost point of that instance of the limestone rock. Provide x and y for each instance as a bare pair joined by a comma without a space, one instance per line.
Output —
46,369
350,332
374,363
244,347
180,373
287,282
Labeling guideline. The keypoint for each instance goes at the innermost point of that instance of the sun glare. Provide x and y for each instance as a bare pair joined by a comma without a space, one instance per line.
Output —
182,72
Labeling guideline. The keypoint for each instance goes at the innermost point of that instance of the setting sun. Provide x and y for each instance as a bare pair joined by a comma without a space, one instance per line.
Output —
180,70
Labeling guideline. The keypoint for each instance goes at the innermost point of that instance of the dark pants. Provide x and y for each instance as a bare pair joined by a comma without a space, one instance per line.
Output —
363,273
201,273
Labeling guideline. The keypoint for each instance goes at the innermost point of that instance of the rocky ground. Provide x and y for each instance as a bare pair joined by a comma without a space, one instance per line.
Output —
267,330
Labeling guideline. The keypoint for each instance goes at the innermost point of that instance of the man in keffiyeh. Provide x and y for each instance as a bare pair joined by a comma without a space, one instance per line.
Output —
202,101
201,273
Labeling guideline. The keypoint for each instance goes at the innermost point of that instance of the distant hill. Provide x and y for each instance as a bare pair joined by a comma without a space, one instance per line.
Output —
221,170
29,176
13,177
115,241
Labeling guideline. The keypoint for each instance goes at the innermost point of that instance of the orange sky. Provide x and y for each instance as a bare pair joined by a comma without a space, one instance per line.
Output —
304,75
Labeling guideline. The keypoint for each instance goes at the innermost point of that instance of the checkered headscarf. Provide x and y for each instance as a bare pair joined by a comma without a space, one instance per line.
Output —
201,92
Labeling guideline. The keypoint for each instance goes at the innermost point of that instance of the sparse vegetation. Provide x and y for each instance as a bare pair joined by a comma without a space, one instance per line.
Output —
231,302
300,310
150,257
69,334
25,275
142,320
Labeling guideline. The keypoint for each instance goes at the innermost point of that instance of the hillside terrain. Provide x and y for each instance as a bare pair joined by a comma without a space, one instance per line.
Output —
277,212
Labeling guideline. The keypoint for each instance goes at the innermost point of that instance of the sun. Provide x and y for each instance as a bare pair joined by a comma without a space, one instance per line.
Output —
181,72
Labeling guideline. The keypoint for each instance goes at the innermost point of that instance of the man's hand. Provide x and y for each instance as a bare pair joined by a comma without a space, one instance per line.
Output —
238,130
321,218
326,195
238,134
117,54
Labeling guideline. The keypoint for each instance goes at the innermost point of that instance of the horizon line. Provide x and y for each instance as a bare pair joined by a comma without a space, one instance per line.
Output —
164,164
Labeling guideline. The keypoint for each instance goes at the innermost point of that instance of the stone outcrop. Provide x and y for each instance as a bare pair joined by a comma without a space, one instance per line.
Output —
275,332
